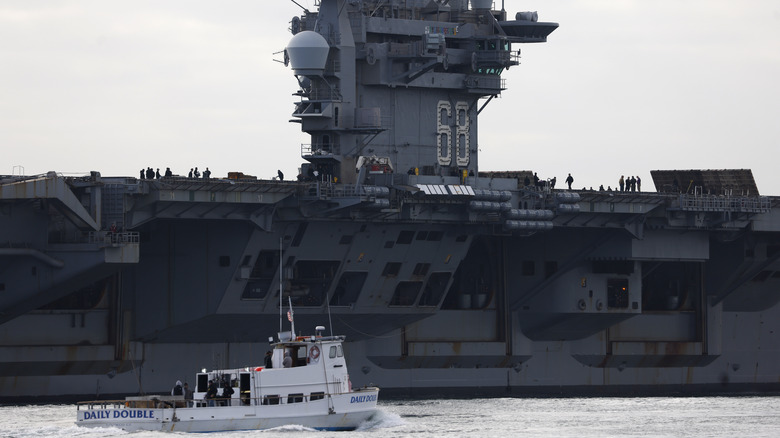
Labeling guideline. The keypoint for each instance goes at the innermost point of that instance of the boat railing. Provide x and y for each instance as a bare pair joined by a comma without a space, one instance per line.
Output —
158,402
171,402
113,238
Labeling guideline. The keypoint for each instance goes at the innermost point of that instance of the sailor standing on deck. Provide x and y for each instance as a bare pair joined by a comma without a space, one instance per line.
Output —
269,363
177,389
188,393
287,362
211,392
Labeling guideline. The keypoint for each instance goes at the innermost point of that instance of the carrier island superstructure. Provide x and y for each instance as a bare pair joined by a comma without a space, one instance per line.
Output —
444,278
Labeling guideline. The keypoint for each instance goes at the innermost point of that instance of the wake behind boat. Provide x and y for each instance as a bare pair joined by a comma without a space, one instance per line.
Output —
307,384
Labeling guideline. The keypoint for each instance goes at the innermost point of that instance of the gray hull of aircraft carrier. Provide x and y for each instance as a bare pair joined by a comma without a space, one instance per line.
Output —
444,278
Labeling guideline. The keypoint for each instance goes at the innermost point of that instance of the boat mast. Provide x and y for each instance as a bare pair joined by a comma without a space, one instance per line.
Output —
281,285
291,317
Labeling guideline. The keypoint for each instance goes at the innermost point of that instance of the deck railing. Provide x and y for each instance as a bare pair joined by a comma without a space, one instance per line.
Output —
725,203
113,238
170,402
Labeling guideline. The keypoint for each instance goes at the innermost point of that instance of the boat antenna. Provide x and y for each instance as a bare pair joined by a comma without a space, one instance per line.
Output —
299,5
291,317
330,321
281,285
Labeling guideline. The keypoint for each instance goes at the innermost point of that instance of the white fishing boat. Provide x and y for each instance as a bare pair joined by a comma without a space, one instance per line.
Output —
314,391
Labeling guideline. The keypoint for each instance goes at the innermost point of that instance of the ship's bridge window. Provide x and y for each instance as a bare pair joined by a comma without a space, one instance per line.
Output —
335,351
295,398
298,355
316,396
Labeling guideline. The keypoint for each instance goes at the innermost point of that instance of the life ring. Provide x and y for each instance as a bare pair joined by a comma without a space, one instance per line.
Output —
314,354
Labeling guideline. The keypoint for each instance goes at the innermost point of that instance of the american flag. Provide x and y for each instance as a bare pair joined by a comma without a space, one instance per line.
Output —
289,315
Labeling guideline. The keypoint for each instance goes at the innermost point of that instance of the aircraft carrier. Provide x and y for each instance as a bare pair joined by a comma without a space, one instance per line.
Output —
445,278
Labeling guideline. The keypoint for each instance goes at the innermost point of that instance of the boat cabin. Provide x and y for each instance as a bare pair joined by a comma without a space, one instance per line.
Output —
316,368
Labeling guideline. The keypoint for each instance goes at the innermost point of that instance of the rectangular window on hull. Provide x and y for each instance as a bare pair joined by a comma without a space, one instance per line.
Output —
405,237
421,269
434,289
406,293
311,281
348,288
391,269
261,276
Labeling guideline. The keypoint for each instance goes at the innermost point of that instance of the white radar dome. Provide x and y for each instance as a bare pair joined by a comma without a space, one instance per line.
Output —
308,53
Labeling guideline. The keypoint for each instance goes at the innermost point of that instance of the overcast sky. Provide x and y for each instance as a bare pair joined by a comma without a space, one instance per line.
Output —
622,87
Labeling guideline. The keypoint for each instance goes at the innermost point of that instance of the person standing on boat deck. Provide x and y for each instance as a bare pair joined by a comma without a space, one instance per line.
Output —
227,392
569,180
621,182
269,363
287,362
211,392
177,389
187,395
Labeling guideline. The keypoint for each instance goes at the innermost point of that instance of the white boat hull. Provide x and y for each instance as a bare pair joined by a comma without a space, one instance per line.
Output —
342,412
